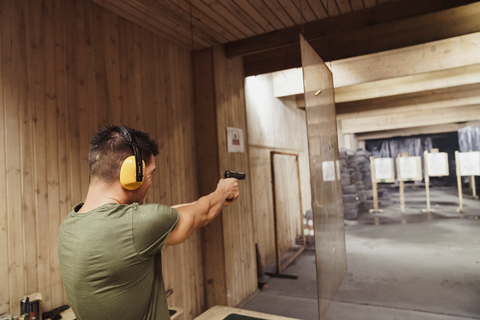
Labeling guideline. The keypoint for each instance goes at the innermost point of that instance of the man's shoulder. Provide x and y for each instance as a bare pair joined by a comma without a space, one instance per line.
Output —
154,207
152,223
156,212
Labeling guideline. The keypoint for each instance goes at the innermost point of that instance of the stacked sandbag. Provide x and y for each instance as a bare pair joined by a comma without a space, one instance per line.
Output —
362,159
349,178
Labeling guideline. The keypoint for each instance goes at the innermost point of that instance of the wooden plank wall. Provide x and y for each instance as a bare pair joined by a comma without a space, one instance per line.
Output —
68,67
273,125
238,235
287,198
208,175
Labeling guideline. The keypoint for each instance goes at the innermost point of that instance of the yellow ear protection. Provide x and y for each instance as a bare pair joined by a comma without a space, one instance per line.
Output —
131,172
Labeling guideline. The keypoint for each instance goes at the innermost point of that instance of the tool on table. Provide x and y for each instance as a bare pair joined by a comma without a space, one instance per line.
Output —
54,314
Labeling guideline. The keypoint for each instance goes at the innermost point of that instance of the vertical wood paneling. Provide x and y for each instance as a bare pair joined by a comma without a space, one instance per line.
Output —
107,67
4,258
237,219
287,198
87,105
208,175
136,109
66,68
52,122
74,82
13,172
162,177
65,204
36,118
28,93
228,248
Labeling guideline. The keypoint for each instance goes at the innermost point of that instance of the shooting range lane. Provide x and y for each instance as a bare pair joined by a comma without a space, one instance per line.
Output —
406,266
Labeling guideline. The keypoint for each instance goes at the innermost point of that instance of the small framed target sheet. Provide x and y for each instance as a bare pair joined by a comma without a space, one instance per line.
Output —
382,170
235,140
409,169
469,163
437,164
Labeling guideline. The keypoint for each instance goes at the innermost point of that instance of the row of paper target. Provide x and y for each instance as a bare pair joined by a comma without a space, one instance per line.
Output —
436,165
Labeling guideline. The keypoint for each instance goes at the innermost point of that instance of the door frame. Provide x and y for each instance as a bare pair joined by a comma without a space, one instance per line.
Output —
279,267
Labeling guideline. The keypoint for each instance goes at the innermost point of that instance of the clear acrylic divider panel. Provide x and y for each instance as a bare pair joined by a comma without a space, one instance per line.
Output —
327,203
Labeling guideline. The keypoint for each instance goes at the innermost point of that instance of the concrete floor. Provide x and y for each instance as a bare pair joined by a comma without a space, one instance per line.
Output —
400,266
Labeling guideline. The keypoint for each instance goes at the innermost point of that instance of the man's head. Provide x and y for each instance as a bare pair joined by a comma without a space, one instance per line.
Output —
109,148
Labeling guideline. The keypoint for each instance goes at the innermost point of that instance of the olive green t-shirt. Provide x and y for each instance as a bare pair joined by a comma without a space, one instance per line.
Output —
111,262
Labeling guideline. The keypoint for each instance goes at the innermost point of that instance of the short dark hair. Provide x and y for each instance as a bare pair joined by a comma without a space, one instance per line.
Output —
109,148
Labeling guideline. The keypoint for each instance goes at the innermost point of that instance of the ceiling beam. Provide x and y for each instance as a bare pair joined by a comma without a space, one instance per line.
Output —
408,84
435,56
411,119
420,90
450,127
425,100
432,56
371,39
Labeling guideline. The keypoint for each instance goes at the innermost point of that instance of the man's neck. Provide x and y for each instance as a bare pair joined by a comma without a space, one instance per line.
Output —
100,193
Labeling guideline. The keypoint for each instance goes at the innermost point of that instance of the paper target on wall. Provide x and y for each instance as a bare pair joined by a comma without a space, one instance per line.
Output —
469,164
235,140
328,169
409,169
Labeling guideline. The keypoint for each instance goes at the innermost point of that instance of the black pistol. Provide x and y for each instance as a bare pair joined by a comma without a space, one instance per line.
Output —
236,175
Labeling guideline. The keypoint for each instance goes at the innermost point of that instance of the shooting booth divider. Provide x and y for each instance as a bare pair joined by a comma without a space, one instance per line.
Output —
408,169
382,172
467,165
327,201
436,165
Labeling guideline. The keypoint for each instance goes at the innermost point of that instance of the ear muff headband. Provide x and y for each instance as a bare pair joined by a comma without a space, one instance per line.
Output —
131,172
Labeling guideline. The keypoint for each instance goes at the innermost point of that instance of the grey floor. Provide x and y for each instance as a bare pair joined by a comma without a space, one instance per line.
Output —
400,266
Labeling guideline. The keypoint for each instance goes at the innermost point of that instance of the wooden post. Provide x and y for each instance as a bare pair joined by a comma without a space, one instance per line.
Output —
402,191
474,190
374,187
472,185
459,182
304,240
402,197
427,184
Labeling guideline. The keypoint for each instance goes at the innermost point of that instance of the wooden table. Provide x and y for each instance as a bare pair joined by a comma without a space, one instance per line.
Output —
220,313
69,315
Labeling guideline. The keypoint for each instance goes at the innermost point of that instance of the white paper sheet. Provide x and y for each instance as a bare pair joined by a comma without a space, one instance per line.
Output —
235,140
408,167
437,164
469,163
328,168
383,169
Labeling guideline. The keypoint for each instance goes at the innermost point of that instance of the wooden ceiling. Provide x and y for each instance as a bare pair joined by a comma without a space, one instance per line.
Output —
266,34
222,21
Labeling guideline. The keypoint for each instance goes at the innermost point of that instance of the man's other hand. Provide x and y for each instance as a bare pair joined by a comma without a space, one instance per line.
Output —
229,187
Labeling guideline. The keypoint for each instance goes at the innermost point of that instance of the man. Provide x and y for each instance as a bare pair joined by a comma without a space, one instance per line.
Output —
110,246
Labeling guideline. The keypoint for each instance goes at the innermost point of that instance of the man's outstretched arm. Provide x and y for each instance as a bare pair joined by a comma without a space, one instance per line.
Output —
198,214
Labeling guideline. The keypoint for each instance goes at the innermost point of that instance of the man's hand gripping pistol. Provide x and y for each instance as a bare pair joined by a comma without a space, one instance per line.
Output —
236,175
